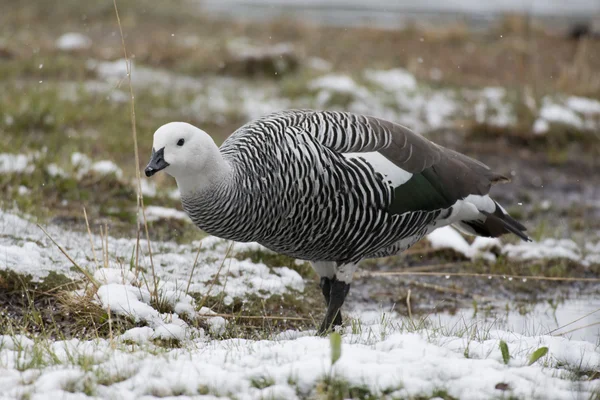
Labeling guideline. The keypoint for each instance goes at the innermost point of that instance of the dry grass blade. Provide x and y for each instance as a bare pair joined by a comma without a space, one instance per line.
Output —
87,224
574,321
474,275
409,308
216,276
140,195
80,269
578,328
438,287
265,317
187,289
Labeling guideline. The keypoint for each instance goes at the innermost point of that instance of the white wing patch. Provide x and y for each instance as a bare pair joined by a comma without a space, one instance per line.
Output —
483,203
390,171
469,209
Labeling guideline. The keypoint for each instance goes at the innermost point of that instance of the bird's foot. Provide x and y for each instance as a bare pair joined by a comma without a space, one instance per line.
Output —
337,295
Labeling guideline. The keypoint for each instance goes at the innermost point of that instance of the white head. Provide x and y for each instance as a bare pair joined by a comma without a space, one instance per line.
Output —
186,153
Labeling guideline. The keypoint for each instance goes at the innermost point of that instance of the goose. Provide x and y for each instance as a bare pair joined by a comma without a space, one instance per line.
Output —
333,188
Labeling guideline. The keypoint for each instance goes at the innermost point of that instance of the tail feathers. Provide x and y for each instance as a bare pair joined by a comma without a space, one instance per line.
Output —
495,224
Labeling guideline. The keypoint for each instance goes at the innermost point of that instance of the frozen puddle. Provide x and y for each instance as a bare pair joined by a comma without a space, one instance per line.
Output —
577,319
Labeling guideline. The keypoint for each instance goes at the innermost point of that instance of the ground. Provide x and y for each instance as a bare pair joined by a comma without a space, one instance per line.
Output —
94,304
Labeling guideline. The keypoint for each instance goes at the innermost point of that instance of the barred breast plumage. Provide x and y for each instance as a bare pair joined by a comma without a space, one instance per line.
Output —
330,187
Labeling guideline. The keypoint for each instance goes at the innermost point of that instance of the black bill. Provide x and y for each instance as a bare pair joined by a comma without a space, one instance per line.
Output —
157,162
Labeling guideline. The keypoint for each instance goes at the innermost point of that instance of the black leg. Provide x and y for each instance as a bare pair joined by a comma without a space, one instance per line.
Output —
337,295
325,285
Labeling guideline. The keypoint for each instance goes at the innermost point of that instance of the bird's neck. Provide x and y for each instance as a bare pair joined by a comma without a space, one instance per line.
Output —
215,173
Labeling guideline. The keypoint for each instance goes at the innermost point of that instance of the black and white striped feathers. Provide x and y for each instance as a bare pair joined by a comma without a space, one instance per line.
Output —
329,186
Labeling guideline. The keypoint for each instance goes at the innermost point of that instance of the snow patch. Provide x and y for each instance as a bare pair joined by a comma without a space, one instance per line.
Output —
330,84
83,164
25,250
106,167
392,80
296,363
583,105
73,41
15,163
560,114
155,213
540,126
493,109
546,249
114,275
449,238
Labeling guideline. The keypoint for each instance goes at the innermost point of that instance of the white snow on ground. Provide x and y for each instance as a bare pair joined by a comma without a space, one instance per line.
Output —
115,72
583,105
449,238
381,357
381,354
336,83
11,163
107,167
243,49
393,80
541,126
579,112
154,213
84,165
55,170
492,108
557,113
393,94
26,250
148,187
73,41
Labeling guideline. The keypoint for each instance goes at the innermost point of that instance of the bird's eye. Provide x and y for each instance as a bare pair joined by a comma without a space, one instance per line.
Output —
180,142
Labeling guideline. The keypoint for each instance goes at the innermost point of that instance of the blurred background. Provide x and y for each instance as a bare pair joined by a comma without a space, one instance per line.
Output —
515,84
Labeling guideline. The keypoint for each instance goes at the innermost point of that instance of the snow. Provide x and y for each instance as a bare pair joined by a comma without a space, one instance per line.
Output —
328,85
106,167
583,105
540,126
449,238
319,64
493,109
155,213
560,114
12,163
83,164
73,41
115,73
138,334
335,83
26,250
242,49
54,170
114,275
383,357
392,80
548,248
578,112
148,187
